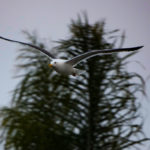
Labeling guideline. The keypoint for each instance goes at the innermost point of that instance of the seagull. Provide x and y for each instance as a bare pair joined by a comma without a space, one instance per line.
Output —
67,67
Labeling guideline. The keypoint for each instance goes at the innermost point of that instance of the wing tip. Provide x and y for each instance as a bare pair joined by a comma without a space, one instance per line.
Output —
136,48
139,47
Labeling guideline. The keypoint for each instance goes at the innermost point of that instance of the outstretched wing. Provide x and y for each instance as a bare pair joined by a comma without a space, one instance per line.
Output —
75,60
33,46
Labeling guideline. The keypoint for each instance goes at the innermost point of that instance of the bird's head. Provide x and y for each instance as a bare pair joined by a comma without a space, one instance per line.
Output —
53,64
57,63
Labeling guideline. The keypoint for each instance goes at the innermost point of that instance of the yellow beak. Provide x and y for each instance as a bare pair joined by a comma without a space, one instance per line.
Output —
50,65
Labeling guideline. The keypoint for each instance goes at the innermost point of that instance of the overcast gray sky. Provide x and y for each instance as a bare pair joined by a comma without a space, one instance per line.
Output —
51,19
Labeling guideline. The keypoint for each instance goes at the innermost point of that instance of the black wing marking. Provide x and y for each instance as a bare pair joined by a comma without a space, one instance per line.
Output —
33,46
75,60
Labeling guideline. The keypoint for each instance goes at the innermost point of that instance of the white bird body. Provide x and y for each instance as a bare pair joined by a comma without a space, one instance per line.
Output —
66,67
61,66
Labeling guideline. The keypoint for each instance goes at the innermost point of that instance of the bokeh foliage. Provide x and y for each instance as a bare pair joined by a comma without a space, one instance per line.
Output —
98,110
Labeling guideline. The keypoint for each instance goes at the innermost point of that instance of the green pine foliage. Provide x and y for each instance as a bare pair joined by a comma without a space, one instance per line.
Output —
97,111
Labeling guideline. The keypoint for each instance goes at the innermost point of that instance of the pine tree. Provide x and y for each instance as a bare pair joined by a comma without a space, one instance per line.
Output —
98,110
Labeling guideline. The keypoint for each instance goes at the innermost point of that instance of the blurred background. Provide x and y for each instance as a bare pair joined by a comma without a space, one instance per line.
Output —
50,18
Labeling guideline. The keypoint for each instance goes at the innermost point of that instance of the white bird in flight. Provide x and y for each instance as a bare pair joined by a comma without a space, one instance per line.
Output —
67,67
